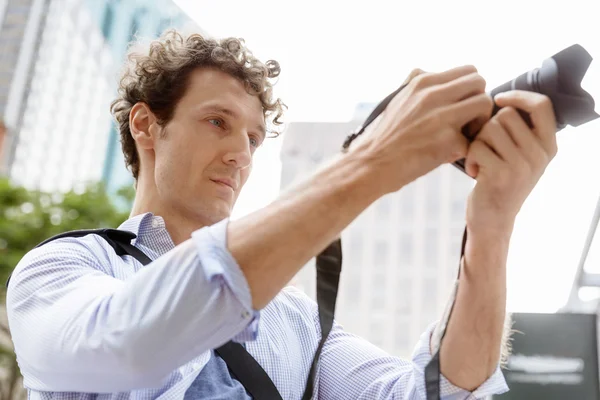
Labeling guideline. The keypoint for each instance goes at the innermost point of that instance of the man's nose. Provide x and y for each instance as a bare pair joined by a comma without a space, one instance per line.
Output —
238,153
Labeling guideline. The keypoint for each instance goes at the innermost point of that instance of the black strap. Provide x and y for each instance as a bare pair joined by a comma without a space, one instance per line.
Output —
329,267
241,364
248,371
432,370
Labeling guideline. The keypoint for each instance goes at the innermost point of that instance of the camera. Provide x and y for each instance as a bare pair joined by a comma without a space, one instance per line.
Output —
559,78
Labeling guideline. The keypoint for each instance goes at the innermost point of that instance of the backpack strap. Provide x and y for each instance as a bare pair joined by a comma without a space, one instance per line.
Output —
240,363
248,371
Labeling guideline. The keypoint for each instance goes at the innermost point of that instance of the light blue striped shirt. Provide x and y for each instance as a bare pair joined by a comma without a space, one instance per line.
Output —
88,324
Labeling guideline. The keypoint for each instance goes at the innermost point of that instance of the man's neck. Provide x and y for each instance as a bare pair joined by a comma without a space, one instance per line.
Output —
179,225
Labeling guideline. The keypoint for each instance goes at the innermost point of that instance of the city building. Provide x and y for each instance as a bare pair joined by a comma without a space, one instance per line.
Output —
59,65
21,25
400,256
121,22
60,137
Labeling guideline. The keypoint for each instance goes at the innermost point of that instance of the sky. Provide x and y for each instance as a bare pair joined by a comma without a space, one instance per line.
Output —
335,54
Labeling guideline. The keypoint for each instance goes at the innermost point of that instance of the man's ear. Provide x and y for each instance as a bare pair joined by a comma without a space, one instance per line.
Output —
142,125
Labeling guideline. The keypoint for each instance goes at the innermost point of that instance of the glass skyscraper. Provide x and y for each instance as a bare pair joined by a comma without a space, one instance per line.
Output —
59,64
121,21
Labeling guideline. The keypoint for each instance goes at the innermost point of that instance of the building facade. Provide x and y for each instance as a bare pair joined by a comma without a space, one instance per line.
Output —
59,67
400,256
21,26
63,134
121,22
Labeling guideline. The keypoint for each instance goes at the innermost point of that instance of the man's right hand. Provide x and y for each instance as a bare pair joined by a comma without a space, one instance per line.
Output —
421,127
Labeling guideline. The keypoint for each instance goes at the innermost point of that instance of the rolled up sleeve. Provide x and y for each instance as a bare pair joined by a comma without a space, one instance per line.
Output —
99,333
219,264
495,384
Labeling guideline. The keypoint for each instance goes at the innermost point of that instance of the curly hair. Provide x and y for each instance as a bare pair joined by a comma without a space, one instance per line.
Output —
159,77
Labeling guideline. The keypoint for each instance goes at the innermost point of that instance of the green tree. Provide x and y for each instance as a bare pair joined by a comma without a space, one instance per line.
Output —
29,217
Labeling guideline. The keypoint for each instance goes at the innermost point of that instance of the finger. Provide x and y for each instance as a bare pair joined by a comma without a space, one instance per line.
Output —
499,140
478,107
518,129
531,147
430,79
415,72
462,87
538,106
480,157
456,143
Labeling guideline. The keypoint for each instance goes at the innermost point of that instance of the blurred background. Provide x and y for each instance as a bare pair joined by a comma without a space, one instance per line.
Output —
61,166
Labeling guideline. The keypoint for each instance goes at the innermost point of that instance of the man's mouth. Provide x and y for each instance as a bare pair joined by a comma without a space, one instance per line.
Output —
226,182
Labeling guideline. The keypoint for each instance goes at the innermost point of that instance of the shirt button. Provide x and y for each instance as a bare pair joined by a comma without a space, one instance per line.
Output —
245,314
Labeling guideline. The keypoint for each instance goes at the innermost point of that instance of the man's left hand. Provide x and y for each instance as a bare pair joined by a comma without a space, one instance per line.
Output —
507,159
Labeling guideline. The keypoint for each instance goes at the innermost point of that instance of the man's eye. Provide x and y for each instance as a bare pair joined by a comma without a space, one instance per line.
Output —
253,142
216,122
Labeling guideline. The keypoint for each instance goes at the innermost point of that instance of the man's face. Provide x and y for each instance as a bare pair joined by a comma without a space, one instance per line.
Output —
205,156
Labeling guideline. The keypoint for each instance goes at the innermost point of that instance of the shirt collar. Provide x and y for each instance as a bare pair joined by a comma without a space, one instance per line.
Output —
151,232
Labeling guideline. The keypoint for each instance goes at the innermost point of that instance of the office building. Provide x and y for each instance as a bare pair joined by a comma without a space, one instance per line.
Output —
400,256
61,135
122,22
21,25
59,64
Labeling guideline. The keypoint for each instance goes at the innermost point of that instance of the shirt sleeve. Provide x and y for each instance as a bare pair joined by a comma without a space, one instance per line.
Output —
353,368
77,328
495,384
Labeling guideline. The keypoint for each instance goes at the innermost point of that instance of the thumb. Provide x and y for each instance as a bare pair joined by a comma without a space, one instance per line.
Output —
414,73
471,164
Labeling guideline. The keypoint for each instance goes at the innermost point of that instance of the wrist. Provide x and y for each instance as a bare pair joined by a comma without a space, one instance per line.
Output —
376,172
486,252
491,226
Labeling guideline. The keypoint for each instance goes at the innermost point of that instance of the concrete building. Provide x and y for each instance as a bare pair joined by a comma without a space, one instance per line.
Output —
400,256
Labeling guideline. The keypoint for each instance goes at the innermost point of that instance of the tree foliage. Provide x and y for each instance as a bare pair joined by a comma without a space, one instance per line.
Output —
28,217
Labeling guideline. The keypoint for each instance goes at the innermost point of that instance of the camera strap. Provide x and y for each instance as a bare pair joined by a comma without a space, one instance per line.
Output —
239,361
432,369
328,269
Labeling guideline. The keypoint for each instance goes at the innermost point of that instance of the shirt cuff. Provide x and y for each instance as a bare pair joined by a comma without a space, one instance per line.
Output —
495,384
218,264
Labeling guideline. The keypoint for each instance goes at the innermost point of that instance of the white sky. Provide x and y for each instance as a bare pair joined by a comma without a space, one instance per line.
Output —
335,54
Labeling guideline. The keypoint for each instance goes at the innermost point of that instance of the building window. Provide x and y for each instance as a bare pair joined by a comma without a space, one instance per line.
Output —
133,30
353,291
107,20
429,296
406,249
402,337
356,247
162,27
377,332
379,281
431,247
384,207
136,24
402,298
407,205
381,253
433,190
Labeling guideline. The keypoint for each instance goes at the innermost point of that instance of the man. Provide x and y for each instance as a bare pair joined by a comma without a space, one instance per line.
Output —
192,111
